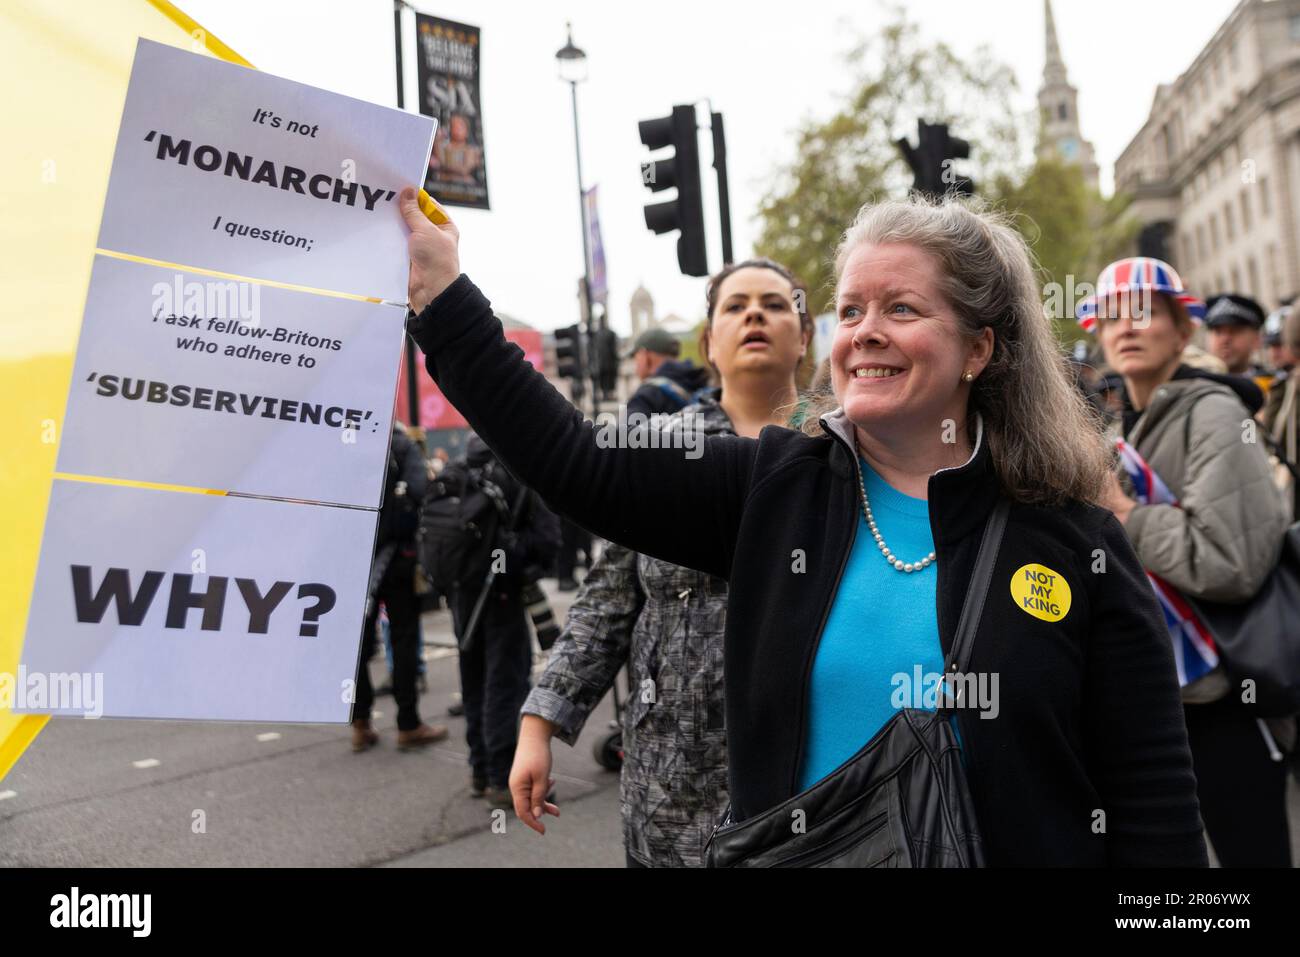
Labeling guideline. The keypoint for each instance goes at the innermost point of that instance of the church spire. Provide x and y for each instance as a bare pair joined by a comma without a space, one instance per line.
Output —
1053,65
1059,108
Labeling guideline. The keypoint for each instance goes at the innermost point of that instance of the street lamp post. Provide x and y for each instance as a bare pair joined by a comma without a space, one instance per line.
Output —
572,64
412,368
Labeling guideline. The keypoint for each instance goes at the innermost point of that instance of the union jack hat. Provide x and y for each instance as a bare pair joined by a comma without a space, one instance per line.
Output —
1140,273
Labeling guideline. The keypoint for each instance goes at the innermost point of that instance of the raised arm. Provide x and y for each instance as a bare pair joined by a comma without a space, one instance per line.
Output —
620,492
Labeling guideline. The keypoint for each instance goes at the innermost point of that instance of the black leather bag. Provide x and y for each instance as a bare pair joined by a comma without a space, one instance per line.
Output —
1259,640
901,801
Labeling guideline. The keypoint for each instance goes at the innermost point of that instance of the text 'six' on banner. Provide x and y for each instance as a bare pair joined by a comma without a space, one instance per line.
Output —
447,65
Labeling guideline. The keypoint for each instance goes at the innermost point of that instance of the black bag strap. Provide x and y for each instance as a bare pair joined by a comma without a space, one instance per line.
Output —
972,608
509,514
496,497
518,509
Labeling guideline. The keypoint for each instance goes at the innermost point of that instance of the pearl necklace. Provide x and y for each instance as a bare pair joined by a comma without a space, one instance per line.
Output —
898,563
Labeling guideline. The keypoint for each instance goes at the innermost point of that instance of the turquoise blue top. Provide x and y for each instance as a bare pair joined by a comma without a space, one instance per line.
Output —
881,627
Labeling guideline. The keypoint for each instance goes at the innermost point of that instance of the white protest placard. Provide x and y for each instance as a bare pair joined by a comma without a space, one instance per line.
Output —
183,379
231,169
162,603
193,616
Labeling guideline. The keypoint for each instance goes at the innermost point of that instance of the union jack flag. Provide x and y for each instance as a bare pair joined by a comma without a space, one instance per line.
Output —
1194,650
1137,274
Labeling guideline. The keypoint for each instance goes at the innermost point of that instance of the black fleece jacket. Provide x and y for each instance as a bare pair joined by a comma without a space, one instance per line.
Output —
1086,763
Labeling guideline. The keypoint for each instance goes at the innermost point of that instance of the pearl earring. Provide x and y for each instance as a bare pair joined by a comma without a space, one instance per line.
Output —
968,377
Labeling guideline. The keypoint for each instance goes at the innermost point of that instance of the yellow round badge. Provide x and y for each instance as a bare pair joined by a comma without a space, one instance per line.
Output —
1041,592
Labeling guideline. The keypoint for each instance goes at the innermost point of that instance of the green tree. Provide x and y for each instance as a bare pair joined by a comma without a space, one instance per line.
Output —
1072,229
850,158
691,345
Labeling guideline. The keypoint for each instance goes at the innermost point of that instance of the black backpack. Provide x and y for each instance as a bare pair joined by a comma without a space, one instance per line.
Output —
460,521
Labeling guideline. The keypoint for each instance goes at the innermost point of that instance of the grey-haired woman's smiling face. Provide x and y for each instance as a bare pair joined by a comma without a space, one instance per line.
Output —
898,356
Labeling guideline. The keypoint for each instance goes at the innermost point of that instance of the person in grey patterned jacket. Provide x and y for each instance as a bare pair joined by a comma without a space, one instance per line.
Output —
666,622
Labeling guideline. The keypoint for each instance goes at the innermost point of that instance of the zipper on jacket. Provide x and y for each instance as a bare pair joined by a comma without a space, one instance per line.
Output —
844,562
957,723
685,596
821,627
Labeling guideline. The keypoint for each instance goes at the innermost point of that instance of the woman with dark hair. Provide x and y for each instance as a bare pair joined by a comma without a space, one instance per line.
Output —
1206,523
849,554
666,622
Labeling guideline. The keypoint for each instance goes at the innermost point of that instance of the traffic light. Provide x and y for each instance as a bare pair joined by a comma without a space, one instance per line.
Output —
681,170
931,160
568,353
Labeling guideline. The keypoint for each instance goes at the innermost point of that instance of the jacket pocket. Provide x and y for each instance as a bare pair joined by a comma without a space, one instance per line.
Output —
863,841
659,632
642,674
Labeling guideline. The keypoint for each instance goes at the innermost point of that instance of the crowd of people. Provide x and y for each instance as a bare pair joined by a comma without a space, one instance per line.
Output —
766,597
490,592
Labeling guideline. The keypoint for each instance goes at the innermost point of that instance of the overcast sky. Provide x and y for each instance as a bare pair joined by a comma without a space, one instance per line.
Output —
765,65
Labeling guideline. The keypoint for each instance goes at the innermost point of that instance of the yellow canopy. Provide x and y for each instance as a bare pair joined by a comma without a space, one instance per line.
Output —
64,68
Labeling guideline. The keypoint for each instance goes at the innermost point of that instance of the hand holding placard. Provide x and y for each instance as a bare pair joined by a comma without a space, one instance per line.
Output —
435,257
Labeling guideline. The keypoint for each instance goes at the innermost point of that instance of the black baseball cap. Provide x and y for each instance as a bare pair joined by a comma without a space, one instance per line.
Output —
1233,309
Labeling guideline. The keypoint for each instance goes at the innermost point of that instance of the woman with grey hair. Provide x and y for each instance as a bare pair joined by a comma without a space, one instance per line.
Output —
849,553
